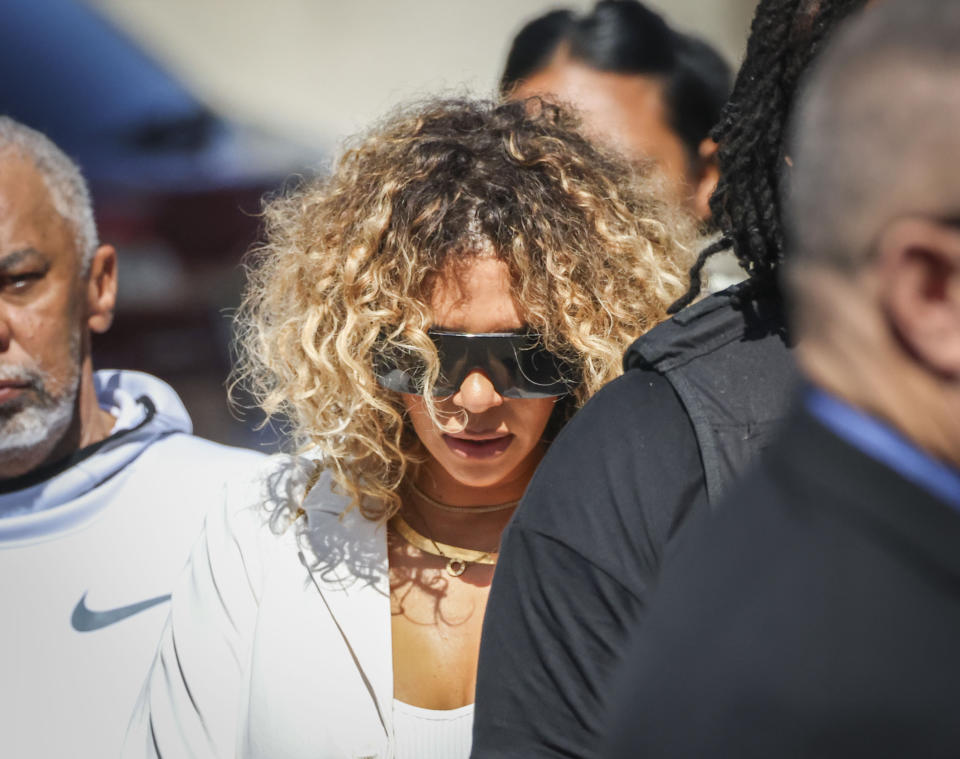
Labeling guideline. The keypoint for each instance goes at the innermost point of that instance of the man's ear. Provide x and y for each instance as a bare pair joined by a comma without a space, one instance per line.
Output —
706,179
102,289
919,267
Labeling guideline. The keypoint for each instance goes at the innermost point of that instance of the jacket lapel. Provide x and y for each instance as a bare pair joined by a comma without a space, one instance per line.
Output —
346,555
820,468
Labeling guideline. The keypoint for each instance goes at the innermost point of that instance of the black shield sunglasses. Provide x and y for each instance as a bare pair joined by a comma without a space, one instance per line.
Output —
515,362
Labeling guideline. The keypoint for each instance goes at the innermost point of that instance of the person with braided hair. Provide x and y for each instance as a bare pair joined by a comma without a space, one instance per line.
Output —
701,397
785,36
815,613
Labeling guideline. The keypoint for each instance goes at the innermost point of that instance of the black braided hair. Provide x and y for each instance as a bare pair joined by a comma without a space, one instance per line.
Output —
785,37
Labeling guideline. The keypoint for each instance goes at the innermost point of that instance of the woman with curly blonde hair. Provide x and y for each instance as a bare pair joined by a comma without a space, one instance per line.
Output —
425,318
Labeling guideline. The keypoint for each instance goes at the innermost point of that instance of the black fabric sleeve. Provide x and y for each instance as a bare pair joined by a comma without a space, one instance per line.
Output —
575,567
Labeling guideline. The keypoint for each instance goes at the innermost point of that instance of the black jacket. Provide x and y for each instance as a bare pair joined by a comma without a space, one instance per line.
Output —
815,614
697,404
729,366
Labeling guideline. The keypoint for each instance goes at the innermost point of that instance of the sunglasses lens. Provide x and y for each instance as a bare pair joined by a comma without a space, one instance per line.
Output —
397,370
404,372
516,363
538,374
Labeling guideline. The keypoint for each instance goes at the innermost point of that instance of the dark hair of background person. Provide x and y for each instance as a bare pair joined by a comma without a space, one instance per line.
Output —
786,36
626,37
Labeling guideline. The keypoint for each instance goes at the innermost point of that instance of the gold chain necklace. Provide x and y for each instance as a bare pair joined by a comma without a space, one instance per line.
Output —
460,509
458,559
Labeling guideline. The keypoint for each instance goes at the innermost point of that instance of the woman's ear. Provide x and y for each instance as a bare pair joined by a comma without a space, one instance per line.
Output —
102,289
706,178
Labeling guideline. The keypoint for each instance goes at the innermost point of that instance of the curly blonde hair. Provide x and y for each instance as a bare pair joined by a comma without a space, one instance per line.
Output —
349,261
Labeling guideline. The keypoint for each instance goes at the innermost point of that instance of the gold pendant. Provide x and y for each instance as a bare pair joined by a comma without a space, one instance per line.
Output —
456,567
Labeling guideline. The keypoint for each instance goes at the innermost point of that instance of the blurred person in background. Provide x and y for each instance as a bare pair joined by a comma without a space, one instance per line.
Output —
643,88
102,486
427,318
816,613
701,398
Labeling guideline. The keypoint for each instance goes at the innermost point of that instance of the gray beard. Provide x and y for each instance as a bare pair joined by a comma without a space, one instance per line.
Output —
38,421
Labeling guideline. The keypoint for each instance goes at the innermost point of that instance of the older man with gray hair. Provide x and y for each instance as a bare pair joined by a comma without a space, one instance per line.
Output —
817,612
102,486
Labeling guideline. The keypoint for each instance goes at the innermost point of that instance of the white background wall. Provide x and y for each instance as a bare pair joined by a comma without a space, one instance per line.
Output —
317,70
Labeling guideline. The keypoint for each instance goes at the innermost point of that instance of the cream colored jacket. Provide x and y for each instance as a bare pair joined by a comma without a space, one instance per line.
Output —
278,643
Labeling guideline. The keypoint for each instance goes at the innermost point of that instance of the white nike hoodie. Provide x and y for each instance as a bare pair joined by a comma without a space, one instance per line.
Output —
89,552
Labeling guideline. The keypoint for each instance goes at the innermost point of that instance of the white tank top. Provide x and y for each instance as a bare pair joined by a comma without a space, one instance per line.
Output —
432,733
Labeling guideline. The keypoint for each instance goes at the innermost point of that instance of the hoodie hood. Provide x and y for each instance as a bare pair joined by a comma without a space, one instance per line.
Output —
52,499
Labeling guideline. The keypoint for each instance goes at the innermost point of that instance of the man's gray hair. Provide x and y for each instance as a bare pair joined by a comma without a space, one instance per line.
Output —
68,189
877,131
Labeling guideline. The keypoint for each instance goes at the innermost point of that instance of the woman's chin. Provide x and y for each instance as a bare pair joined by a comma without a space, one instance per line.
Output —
490,473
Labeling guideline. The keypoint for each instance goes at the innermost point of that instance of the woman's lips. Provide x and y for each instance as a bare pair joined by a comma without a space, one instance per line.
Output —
478,448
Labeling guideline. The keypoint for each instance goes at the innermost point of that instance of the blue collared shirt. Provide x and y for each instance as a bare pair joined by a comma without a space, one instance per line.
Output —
886,445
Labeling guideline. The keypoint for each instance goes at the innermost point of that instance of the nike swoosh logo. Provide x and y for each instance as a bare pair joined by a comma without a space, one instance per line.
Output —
86,620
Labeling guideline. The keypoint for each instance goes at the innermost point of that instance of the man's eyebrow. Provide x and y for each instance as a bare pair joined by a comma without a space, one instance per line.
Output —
18,257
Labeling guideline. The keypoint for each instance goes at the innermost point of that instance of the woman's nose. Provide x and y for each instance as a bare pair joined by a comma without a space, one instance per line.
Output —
477,393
